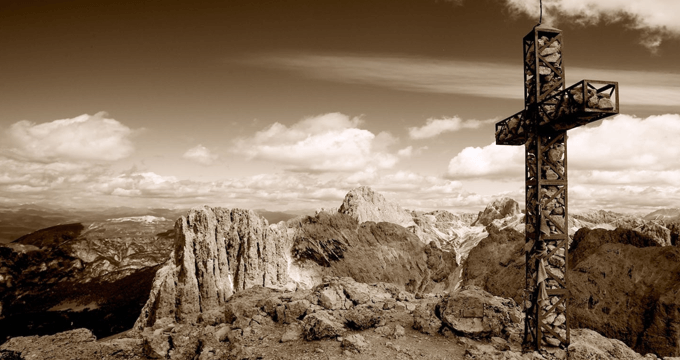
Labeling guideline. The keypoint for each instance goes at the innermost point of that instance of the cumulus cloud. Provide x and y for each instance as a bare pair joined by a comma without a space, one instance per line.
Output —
491,162
625,163
656,18
622,149
405,152
83,138
201,155
325,143
627,143
434,127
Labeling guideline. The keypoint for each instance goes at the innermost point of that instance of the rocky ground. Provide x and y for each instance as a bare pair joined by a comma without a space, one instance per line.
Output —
338,319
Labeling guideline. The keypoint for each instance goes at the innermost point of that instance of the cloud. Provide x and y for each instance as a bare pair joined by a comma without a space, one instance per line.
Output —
625,163
490,80
623,147
626,142
656,18
83,138
201,155
325,143
638,87
622,198
434,127
491,162
402,73
406,152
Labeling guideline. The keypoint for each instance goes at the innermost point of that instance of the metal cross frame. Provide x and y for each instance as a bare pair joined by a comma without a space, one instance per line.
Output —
549,111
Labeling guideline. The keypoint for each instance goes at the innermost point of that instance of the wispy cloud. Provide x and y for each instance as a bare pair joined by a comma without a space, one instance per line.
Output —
657,19
434,127
484,79
410,74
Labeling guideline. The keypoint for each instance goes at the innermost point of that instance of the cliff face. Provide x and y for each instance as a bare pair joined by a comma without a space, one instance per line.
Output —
217,252
336,245
623,284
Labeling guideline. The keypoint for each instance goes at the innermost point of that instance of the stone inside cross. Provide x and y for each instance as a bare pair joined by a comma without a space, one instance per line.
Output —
550,110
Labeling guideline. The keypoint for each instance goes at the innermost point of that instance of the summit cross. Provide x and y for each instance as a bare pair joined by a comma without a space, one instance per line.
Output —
549,111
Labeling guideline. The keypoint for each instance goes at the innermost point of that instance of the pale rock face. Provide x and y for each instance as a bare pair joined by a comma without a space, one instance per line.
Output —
364,204
588,344
661,234
217,252
499,209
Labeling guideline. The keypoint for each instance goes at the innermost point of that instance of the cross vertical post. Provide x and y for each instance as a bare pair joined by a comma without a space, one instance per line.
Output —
549,111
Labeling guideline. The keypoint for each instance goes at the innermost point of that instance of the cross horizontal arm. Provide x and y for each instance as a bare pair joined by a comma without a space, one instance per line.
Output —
582,103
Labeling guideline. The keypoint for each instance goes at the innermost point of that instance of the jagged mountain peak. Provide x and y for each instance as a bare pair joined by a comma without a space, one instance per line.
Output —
364,204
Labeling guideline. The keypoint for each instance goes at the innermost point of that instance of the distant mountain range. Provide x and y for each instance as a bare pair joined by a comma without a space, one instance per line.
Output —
25,219
664,214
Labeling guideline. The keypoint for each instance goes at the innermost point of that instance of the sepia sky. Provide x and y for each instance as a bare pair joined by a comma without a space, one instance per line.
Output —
288,105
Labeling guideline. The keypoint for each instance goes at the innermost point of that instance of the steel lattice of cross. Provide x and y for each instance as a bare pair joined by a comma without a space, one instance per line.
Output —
549,111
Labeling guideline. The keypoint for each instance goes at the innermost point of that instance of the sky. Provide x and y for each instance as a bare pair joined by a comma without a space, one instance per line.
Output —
288,105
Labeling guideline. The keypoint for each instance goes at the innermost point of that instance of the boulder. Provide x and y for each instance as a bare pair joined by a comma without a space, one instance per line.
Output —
425,321
296,310
76,343
292,333
363,317
156,344
355,343
500,343
391,331
332,298
321,325
587,344
475,313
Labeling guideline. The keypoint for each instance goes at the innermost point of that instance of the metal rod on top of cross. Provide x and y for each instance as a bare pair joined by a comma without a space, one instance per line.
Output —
550,110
